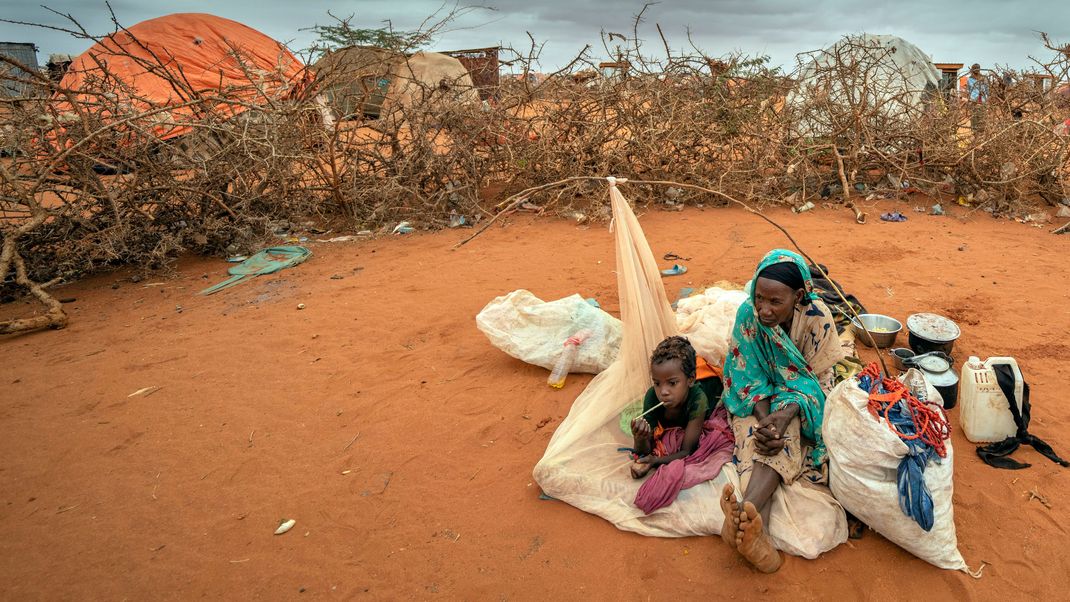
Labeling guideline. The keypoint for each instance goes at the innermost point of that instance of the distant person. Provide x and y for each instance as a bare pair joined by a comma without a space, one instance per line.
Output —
977,95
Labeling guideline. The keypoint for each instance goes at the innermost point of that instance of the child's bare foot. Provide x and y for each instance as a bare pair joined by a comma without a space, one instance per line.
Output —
730,507
753,542
640,469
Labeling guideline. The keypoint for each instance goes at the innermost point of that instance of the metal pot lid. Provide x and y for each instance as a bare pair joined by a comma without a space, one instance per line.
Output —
933,327
933,364
941,379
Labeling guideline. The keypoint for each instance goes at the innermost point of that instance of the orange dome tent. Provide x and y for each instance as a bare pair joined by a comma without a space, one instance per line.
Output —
189,64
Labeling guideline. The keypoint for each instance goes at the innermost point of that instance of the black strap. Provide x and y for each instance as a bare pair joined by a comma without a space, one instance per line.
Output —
996,454
1005,380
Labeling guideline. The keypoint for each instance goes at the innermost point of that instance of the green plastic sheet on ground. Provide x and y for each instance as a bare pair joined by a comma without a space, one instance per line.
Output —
267,261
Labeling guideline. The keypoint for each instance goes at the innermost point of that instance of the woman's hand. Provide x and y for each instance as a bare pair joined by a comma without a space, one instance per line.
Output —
781,418
769,433
768,441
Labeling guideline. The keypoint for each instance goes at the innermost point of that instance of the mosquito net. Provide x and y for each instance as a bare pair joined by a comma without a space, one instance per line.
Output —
584,465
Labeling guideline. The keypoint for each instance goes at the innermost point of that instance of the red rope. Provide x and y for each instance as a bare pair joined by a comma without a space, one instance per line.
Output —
930,425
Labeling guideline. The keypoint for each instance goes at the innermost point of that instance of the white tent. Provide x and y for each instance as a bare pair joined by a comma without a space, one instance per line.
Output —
880,77
359,80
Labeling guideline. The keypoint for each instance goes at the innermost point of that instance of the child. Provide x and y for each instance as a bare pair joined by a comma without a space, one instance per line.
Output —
685,406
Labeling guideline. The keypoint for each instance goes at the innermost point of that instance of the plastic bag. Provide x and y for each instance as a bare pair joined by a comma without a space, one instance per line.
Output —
864,455
534,331
583,464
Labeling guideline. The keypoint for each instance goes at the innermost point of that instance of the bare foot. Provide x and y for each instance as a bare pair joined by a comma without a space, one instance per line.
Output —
753,542
730,507
640,469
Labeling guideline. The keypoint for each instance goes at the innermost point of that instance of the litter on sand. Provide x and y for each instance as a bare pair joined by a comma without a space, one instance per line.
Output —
685,292
285,525
893,216
267,261
670,256
346,238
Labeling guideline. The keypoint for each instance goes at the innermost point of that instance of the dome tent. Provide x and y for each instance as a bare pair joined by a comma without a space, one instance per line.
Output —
172,61
881,77
362,80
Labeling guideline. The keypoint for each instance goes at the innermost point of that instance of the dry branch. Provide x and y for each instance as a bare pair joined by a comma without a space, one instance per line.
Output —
87,183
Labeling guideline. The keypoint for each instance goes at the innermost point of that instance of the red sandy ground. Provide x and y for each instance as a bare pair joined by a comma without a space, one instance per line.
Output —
262,408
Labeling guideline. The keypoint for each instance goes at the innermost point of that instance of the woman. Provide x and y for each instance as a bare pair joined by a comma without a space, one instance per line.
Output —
777,371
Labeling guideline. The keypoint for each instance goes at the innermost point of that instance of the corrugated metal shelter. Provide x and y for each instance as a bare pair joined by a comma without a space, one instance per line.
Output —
25,54
482,64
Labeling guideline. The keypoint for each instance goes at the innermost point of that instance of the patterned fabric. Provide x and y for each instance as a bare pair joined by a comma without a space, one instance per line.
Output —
977,88
767,363
667,481
789,463
795,461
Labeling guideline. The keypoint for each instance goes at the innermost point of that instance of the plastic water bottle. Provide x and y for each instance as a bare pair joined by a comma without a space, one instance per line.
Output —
918,386
566,358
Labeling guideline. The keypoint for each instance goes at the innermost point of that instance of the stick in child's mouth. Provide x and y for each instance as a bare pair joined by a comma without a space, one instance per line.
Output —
651,410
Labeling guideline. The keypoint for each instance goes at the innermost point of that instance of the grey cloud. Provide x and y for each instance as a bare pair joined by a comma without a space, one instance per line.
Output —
986,31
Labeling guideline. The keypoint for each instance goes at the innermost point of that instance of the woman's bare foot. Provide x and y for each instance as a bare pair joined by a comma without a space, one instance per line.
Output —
640,469
753,542
730,507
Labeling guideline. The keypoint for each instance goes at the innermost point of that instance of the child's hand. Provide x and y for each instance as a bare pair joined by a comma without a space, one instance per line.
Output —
641,428
642,466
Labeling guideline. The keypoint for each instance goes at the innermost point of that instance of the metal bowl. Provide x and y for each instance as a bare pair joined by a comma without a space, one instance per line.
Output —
883,329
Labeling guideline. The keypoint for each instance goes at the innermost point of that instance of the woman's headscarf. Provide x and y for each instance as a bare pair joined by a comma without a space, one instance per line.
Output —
785,272
765,362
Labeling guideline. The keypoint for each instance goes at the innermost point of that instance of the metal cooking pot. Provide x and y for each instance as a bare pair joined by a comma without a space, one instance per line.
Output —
931,332
938,371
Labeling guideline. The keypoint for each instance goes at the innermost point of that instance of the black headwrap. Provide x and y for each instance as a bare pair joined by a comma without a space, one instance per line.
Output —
786,273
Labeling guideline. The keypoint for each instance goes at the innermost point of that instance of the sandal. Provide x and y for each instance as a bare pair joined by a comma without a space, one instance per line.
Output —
675,270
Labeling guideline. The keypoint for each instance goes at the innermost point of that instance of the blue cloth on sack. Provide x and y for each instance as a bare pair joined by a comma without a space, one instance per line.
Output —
915,500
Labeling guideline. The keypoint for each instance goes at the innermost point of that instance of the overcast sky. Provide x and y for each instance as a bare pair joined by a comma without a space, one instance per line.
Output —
990,32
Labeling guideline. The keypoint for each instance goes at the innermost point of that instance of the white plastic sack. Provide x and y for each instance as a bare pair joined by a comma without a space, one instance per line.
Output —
534,331
864,455
706,320
582,465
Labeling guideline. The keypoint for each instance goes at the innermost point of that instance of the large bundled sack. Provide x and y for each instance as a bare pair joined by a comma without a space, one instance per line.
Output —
583,464
706,320
864,457
534,331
